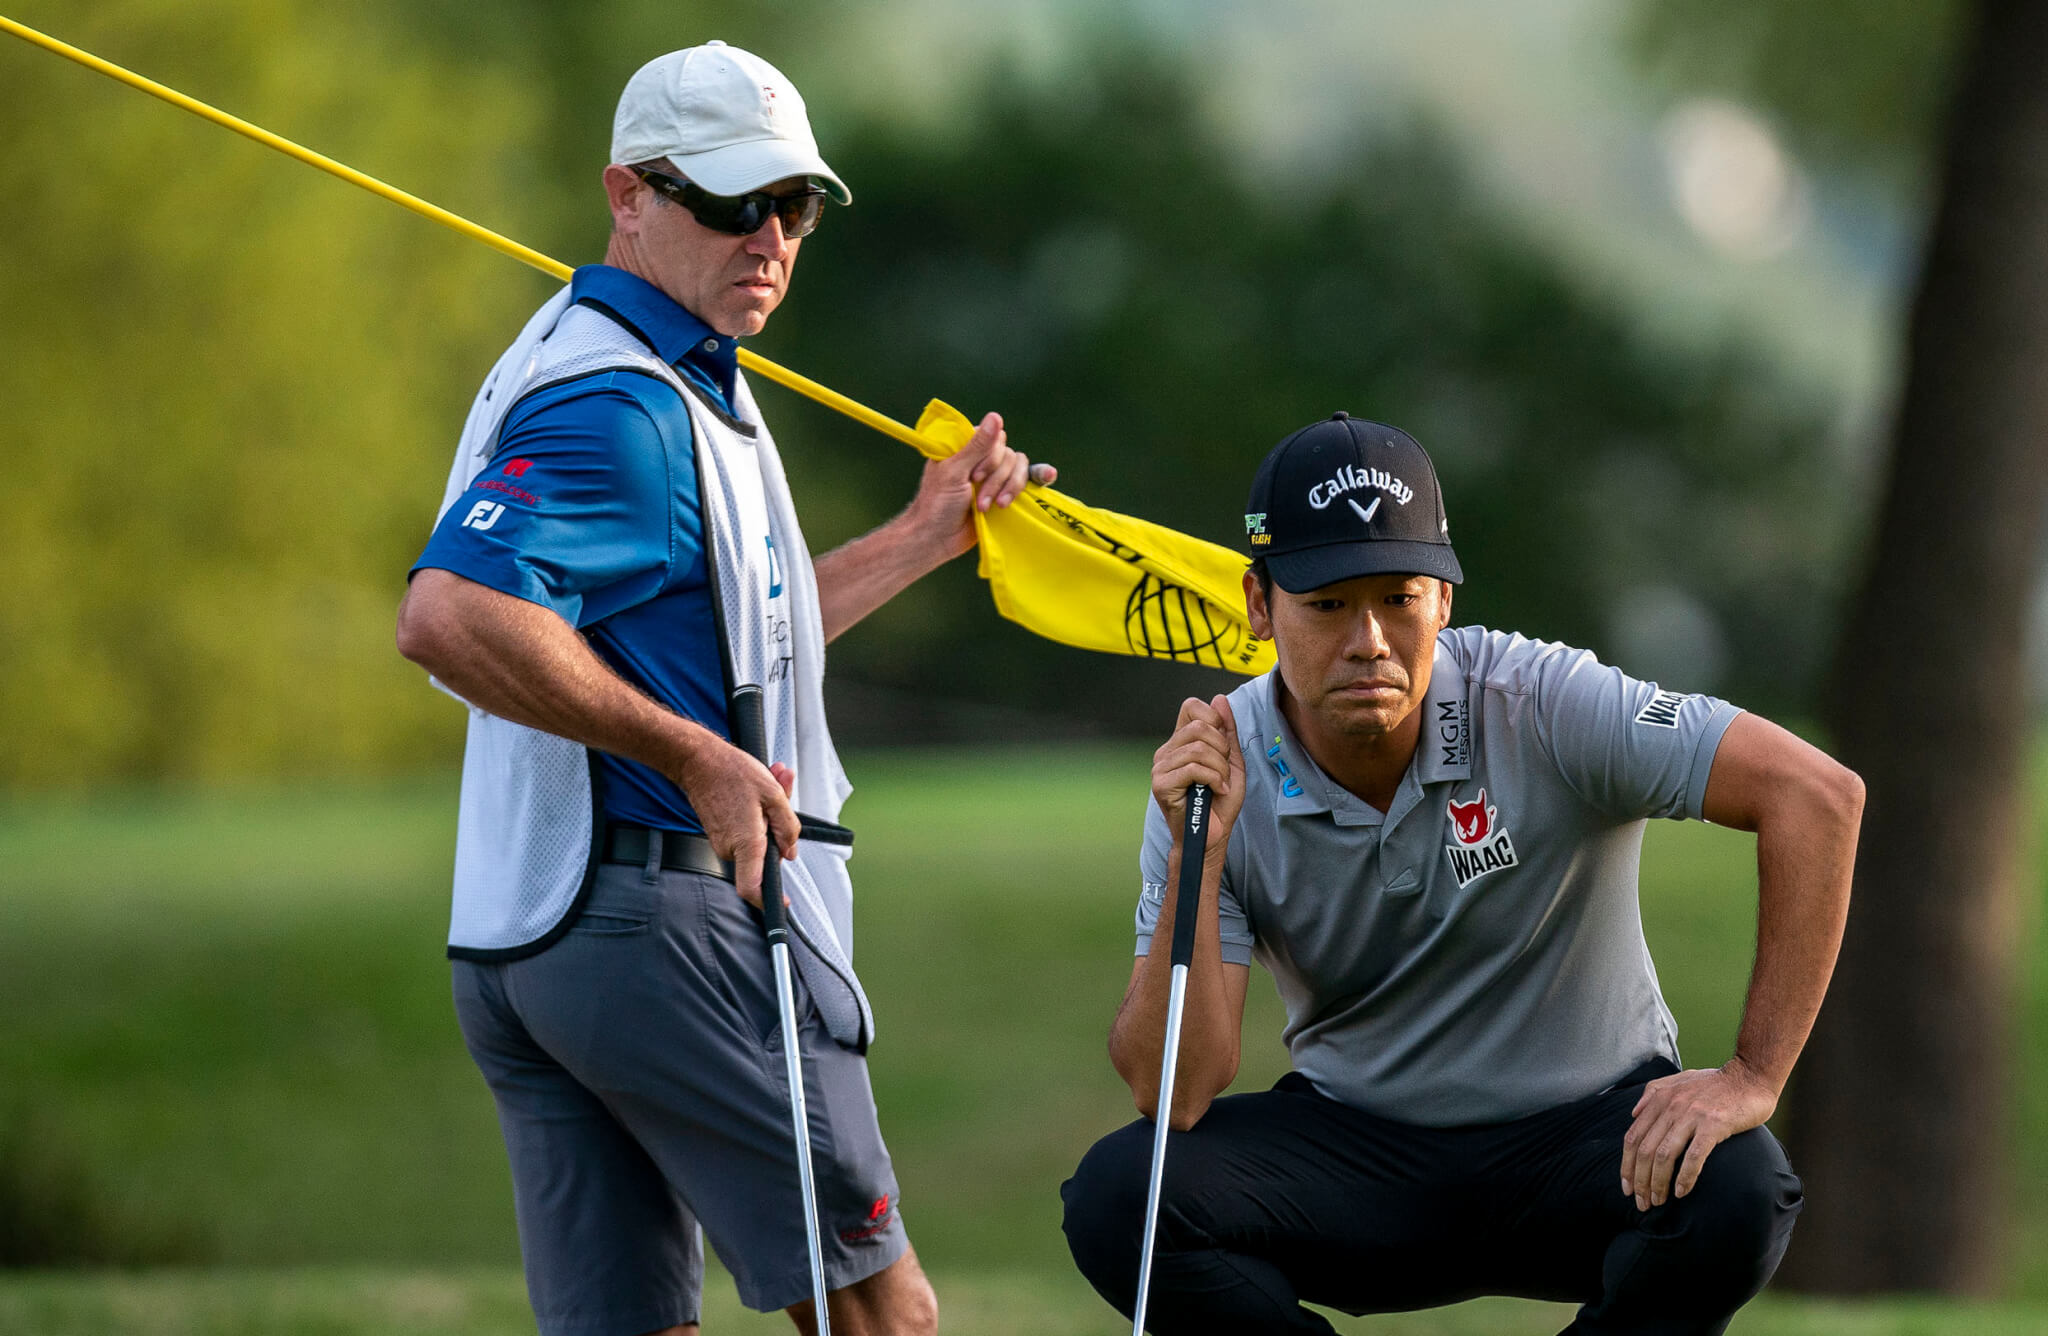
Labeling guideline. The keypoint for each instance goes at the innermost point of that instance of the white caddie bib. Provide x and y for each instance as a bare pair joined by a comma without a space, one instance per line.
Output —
765,658
526,838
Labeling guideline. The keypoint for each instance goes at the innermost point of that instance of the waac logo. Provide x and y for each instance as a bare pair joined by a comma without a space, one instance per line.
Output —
1481,844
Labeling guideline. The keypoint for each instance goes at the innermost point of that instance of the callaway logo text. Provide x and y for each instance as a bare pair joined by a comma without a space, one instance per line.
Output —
1353,479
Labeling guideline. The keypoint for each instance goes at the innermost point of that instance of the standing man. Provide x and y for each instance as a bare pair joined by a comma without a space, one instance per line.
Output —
1430,837
616,551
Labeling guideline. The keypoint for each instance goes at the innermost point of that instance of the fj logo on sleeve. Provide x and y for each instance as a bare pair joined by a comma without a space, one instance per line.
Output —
1479,842
483,515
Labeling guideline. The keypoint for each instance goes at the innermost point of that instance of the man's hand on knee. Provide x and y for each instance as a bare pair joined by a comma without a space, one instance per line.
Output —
1678,1122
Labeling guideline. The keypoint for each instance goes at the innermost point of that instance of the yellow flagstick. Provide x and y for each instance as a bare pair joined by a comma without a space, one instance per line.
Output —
754,362
1065,570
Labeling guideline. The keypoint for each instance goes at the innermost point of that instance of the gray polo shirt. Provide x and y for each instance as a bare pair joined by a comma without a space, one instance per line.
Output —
1475,953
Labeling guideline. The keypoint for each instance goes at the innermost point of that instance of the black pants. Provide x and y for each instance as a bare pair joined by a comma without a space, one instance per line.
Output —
1288,1196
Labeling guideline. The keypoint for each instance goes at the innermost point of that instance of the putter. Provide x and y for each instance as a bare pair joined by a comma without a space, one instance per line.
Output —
1187,904
750,732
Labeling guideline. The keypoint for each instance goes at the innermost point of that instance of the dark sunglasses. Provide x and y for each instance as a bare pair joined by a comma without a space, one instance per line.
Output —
741,215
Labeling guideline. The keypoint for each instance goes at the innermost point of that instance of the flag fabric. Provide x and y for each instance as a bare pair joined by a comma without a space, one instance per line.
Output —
1103,581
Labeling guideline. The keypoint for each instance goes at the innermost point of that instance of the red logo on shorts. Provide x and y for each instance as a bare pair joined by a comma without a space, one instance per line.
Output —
878,1223
518,467
1472,822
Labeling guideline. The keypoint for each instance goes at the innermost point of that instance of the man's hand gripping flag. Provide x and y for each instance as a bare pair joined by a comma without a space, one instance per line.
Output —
1104,581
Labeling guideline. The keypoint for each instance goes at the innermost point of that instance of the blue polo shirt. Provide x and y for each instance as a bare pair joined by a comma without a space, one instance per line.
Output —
589,508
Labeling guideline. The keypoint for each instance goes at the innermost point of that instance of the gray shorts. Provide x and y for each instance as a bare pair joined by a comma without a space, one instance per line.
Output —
638,1070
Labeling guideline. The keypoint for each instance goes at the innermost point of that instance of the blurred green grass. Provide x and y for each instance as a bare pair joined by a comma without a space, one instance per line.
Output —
228,1013
492,1302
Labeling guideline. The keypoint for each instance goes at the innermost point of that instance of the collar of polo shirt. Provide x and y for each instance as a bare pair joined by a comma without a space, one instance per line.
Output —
1443,752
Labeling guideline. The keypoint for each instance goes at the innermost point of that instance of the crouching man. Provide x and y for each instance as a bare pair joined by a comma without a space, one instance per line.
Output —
1430,837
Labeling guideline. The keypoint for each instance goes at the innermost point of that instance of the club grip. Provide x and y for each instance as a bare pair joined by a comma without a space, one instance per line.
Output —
746,717
1187,904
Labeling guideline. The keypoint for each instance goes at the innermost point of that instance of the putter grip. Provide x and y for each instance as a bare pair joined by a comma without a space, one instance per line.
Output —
1187,904
744,715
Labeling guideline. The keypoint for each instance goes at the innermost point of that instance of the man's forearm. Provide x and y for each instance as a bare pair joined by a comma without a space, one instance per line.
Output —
521,662
1209,1025
856,578
1806,853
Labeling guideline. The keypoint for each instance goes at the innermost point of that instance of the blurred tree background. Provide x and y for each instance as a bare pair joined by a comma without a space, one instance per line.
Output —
233,383
1646,315
1902,1114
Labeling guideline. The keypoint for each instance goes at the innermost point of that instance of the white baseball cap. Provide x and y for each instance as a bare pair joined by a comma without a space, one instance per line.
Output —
726,118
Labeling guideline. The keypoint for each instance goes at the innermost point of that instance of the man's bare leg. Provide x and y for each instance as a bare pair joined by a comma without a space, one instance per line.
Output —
687,1329
895,1301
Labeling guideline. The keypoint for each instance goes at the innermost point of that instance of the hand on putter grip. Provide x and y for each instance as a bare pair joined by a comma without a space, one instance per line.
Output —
1678,1122
1202,750
744,806
984,474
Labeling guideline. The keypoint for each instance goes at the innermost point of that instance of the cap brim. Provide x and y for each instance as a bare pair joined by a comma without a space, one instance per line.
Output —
1334,563
739,168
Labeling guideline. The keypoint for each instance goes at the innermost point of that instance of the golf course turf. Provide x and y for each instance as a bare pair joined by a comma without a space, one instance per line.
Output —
227,1054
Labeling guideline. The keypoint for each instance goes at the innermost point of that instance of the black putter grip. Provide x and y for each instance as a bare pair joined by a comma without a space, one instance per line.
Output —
743,712
1187,904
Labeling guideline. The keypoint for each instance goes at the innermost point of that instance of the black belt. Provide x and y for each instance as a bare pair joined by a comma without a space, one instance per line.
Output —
679,852
682,852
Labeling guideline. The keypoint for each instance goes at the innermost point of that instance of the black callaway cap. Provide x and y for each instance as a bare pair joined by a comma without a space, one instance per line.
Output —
1343,498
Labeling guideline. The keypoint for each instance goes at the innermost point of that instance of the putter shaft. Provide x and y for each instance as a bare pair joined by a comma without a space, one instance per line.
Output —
800,1120
1176,1002
750,733
1194,846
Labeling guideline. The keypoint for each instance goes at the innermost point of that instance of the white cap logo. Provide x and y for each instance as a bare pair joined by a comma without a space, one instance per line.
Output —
726,118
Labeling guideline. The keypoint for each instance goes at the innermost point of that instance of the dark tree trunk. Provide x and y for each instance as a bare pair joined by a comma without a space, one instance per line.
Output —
1899,1115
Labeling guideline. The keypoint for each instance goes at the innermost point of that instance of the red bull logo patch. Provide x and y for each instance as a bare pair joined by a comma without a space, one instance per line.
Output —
1479,843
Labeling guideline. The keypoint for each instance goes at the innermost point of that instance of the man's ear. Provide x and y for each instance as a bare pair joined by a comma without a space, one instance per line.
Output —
628,196
1255,610
1444,610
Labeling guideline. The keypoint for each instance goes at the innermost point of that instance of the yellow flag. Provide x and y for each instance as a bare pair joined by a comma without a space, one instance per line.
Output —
1104,581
